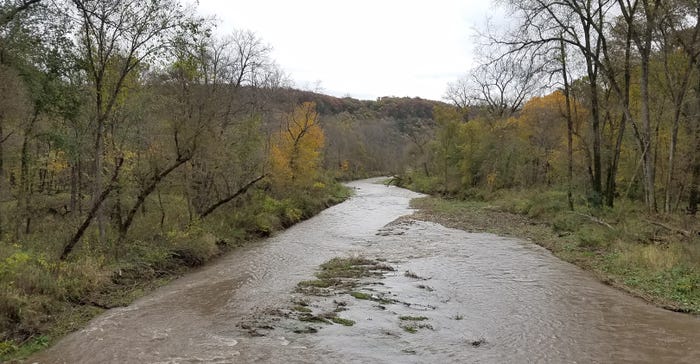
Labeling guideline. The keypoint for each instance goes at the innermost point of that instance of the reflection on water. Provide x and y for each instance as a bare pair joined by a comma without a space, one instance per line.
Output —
487,299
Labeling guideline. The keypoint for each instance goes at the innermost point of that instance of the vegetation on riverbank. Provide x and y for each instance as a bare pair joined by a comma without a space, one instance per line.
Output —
582,132
42,298
622,246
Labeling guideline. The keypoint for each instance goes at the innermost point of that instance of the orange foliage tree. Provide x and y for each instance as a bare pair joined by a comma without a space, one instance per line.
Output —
295,153
542,124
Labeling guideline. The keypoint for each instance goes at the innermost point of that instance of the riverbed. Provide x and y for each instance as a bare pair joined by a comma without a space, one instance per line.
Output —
480,298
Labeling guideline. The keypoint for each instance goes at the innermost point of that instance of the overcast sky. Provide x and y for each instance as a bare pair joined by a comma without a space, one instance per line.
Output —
362,48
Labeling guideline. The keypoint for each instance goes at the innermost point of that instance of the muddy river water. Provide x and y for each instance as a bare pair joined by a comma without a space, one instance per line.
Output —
475,298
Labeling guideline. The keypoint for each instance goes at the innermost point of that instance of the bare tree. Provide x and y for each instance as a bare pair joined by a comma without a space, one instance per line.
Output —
14,106
252,57
507,82
116,37
500,85
460,93
679,26
579,24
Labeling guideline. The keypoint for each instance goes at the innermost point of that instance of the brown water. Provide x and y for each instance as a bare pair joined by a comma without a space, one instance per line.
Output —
487,299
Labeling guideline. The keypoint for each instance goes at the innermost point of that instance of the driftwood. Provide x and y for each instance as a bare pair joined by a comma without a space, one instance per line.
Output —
230,198
685,233
394,180
68,248
596,220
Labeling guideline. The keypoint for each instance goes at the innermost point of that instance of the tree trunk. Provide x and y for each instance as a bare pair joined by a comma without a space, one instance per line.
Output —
2,172
80,186
694,196
68,248
648,164
569,130
24,188
678,99
611,186
97,183
671,161
595,113
162,211
74,187
124,226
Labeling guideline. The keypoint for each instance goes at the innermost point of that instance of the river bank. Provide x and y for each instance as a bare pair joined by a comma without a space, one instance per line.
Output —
645,260
420,292
47,299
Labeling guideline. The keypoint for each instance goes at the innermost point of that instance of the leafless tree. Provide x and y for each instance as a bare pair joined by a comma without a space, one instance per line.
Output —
116,38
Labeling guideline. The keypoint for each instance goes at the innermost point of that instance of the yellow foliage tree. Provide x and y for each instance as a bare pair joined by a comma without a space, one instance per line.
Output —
542,124
295,153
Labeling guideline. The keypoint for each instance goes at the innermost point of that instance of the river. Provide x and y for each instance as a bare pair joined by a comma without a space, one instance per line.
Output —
480,298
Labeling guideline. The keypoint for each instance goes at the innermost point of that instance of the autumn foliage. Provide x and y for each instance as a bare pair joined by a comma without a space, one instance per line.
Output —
295,154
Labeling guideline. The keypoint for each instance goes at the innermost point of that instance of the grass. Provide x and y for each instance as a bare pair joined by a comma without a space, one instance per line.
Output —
312,318
410,329
411,324
338,275
342,321
302,309
619,245
320,283
306,330
342,273
413,328
412,318
352,267
361,295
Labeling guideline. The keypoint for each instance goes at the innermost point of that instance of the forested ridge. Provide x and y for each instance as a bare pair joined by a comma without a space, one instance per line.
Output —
135,143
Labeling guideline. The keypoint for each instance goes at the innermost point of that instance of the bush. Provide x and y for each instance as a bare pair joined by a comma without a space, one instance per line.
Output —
567,222
545,204
594,237
78,278
194,247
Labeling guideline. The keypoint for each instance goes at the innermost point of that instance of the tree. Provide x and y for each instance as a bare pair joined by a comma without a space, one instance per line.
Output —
542,123
569,125
295,154
448,122
116,38
500,85
206,102
14,106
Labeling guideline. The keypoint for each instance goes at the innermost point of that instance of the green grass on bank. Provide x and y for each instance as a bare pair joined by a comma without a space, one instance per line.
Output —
42,298
651,256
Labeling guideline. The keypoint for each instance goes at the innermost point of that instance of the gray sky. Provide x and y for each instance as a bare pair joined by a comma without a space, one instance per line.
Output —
362,48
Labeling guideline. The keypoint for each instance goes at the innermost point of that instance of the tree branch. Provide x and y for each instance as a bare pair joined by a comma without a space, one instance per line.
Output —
229,198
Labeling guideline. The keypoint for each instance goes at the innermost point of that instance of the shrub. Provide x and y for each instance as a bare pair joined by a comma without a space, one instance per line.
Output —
567,222
194,247
593,237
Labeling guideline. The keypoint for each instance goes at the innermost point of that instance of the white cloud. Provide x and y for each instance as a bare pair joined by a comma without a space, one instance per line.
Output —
362,48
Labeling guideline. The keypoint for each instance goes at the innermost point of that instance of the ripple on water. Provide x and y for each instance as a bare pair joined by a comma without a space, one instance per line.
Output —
486,298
